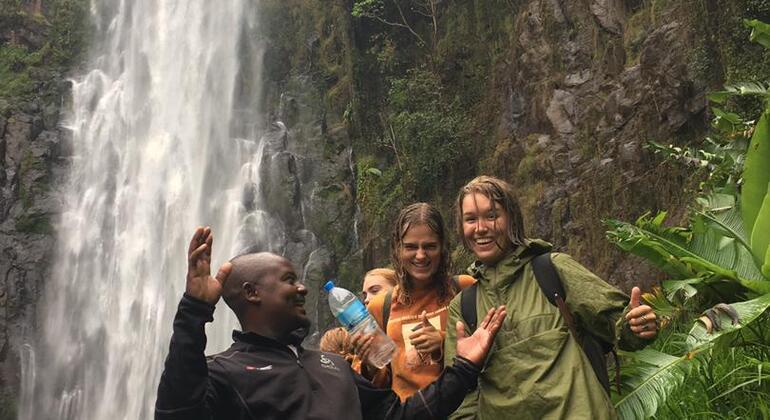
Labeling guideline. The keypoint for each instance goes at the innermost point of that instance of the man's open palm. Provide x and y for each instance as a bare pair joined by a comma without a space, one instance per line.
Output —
200,284
476,347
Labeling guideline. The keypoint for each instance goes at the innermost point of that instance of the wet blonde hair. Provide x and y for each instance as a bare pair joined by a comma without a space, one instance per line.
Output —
388,274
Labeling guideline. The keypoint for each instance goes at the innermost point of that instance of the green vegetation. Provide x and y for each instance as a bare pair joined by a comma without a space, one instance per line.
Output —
32,69
692,370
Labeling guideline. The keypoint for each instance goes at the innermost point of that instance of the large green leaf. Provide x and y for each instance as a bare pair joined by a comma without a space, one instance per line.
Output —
760,235
756,174
766,265
718,236
654,376
681,290
749,311
660,245
669,249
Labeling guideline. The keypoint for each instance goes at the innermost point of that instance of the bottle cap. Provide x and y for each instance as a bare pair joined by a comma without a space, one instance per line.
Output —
329,285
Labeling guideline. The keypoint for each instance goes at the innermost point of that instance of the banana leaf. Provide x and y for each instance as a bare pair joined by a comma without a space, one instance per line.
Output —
718,236
748,311
760,235
756,175
669,249
766,265
682,289
648,239
649,378
655,375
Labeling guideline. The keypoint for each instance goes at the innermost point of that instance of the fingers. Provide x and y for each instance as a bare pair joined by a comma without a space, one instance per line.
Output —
424,319
636,297
494,318
196,253
195,240
209,239
638,312
647,334
361,343
497,320
201,236
643,327
224,272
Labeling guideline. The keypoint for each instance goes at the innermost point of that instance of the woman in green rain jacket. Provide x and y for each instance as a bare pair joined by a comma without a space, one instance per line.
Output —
536,370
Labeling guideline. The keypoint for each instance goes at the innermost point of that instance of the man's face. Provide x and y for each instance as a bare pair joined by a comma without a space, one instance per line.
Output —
484,228
283,297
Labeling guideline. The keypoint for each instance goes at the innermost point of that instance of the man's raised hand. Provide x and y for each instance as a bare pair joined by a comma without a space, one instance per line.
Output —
200,284
476,347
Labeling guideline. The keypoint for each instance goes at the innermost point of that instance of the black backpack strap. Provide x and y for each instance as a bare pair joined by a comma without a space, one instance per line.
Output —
548,278
386,310
468,307
550,284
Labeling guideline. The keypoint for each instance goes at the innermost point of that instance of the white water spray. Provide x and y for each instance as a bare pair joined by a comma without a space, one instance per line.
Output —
154,126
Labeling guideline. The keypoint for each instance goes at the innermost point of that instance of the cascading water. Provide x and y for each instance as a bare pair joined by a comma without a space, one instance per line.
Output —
161,145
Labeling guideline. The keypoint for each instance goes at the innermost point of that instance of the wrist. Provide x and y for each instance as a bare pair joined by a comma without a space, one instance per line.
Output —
460,360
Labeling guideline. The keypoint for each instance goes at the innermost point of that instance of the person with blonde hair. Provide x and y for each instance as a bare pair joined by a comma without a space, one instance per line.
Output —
414,313
376,281
337,340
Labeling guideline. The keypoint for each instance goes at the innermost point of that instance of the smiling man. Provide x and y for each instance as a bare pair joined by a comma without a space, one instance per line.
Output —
266,374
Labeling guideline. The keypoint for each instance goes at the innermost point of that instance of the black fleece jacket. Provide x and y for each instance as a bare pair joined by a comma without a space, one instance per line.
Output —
260,378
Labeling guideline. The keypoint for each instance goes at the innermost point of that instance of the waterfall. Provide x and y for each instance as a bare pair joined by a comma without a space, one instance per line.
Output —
165,138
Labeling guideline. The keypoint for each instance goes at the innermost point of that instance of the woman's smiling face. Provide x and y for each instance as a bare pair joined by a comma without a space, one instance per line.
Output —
420,254
485,226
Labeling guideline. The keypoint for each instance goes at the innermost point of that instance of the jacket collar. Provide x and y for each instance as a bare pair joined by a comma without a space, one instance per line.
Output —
512,262
254,339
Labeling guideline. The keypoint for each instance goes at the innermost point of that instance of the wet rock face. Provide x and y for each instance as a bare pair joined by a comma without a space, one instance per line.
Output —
579,147
30,159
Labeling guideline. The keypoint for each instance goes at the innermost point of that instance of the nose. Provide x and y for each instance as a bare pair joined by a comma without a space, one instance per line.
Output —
301,289
420,254
481,226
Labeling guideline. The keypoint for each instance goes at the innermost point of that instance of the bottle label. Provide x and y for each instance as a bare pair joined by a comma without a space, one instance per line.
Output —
354,314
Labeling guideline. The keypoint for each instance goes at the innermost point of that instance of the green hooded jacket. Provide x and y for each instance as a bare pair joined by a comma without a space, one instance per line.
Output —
536,369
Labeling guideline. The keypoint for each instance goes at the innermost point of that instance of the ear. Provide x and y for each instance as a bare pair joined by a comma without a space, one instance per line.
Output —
251,292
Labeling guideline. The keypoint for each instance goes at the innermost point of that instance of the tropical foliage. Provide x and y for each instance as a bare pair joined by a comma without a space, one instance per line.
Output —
715,365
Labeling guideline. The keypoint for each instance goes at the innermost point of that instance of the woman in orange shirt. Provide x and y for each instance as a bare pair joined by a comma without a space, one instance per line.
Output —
414,313
337,340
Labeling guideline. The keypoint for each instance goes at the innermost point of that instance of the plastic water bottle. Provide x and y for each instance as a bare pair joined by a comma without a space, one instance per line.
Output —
352,314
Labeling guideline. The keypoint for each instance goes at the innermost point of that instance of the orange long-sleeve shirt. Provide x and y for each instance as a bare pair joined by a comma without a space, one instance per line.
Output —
411,371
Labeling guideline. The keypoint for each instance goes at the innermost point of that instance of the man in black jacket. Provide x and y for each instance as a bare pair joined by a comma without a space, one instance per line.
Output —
266,374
